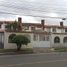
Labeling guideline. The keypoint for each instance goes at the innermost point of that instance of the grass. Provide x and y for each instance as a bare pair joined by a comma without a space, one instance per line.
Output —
61,49
26,50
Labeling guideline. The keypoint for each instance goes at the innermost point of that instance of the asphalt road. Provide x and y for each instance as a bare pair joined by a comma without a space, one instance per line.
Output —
34,60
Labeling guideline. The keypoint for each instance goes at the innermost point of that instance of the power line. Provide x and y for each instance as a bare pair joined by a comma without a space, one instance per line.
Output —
2,12
30,15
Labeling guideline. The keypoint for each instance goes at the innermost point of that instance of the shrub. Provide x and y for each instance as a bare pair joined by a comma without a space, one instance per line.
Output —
20,40
11,37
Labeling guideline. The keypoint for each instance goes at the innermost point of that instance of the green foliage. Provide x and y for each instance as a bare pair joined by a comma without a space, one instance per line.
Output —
13,51
8,26
61,49
11,37
12,26
20,39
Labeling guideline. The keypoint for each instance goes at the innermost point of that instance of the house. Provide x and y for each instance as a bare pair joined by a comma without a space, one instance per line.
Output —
40,35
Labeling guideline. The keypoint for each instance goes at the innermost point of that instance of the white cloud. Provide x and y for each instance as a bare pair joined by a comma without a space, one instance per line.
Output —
53,8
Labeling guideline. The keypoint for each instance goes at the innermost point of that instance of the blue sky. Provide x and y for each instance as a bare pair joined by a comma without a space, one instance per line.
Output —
11,9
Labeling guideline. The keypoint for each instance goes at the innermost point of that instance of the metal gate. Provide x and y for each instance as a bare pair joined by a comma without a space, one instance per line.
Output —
1,40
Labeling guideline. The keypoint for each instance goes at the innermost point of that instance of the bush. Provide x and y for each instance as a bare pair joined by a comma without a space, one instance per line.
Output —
11,37
20,40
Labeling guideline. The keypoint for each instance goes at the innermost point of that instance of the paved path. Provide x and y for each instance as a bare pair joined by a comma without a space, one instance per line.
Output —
34,60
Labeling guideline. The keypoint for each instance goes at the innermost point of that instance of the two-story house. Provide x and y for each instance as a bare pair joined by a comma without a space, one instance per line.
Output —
41,35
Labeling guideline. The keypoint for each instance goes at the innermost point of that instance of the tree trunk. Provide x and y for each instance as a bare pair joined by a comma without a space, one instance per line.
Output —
18,47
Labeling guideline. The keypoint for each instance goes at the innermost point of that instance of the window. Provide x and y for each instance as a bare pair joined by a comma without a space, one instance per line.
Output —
65,40
32,28
54,30
25,27
0,26
65,29
56,40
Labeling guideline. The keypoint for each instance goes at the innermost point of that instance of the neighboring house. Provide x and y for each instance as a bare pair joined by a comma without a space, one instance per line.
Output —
41,35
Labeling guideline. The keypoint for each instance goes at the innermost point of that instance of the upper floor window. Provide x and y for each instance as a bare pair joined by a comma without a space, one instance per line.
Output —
54,30
25,28
32,28
0,26
65,29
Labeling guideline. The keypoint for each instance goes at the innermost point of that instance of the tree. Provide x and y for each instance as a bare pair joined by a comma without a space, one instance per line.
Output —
13,26
20,40
11,37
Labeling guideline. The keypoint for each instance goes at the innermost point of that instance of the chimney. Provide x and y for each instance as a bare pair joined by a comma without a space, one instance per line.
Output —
19,19
20,23
43,23
61,23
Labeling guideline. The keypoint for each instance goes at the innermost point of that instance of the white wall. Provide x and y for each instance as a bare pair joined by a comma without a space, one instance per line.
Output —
3,26
58,30
41,44
61,44
11,45
6,44
30,45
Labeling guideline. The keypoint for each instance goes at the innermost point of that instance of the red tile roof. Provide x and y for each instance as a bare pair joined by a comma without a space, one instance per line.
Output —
29,32
39,25
6,22
35,24
1,30
65,26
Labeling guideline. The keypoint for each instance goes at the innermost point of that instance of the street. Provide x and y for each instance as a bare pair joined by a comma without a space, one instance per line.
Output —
58,59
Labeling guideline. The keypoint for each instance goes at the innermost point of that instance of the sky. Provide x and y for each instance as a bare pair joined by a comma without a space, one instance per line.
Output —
34,10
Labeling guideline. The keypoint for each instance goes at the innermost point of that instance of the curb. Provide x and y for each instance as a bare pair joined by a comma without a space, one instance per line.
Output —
13,53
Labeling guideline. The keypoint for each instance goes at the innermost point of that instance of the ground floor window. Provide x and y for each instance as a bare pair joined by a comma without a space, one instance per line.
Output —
57,40
65,40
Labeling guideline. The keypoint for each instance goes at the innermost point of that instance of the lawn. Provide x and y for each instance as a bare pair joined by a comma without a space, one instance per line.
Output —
26,50
60,49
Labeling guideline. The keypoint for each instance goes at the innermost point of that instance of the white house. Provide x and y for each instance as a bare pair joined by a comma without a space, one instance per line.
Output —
41,35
